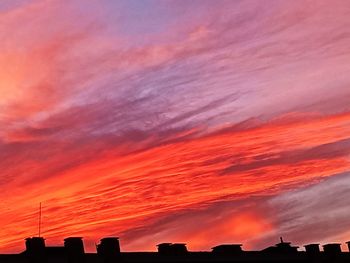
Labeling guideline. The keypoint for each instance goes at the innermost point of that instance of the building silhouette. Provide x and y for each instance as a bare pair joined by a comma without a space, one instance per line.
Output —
108,251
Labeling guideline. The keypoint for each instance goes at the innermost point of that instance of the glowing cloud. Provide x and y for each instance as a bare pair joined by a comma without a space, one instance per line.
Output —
127,118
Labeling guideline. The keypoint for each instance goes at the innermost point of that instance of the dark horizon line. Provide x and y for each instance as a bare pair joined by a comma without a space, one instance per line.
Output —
227,246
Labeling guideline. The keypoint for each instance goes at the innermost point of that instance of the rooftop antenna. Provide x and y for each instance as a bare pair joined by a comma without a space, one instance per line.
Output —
40,219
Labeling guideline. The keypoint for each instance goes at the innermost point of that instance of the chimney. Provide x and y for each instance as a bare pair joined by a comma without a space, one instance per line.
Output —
228,249
164,248
348,243
312,248
74,249
178,249
109,249
35,249
332,249
172,249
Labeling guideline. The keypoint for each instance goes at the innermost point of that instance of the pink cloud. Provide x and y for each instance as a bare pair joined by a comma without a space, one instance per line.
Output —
234,101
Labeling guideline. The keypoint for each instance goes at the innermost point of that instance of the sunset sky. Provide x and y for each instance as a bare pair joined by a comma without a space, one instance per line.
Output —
203,122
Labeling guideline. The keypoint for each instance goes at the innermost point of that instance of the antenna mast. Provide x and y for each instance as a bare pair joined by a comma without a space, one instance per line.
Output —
40,219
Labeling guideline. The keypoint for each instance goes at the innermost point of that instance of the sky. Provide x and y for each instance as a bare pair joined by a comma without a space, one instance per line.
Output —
204,122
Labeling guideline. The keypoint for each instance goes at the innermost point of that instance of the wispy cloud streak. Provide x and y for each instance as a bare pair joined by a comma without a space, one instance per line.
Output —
123,125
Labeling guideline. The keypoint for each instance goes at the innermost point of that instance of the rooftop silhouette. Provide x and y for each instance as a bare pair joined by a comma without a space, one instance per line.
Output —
108,251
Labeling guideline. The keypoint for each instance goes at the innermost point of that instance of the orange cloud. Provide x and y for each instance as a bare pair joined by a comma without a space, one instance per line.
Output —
106,195
111,136
232,229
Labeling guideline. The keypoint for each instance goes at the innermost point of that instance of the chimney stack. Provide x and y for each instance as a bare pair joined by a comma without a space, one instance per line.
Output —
164,248
333,248
312,248
109,249
173,249
74,249
35,249
228,249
